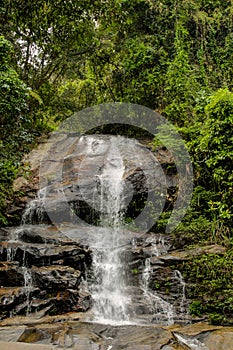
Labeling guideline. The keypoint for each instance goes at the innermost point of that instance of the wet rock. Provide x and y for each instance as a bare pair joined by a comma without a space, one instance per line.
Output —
10,274
84,302
136,179
39,235
221,339
64,301
55,260
55,277
210,249
66,332
11,334
50,321
35,335
40,255
23,346
182,255
81,162
34,301
4,233
62,148
45,268
15,299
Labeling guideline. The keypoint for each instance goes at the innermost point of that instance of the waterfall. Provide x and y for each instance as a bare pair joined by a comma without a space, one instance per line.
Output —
125,278
28,286
10,247
109,269
161,310
33,212
26,272
181,289
35,209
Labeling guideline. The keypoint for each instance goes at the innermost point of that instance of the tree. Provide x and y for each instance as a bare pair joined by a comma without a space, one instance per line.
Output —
13,120
48,36
213,152
13,93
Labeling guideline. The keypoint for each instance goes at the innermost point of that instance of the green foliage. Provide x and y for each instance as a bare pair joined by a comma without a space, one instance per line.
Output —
210,279
14,122
13,93
5,52
196,308
135,271
181,80
212,153
48,36
216,138
193,231
218,319
157,285
8,172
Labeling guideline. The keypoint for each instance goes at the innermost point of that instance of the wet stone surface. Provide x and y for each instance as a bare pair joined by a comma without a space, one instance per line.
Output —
69,331
43,270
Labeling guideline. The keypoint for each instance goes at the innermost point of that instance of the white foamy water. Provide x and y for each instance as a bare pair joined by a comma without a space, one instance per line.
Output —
161,310
178,276
35,208
191,343
108,289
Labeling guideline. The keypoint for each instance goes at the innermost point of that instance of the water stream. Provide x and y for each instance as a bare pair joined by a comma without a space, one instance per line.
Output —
108,288
181,291
161,311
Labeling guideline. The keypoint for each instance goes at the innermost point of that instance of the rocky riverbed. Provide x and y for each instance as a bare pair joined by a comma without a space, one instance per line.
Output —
70,331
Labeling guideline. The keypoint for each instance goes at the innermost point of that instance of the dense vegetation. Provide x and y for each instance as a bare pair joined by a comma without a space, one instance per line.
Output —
57,57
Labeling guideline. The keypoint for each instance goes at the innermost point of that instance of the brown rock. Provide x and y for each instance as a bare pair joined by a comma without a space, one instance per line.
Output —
221,339
20,183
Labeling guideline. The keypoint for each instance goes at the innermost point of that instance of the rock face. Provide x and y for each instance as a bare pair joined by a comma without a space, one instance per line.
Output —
69,180
55,167
41,272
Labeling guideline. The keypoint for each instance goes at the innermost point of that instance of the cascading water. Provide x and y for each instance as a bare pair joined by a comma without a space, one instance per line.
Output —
35,209
10,248
109,288
124,266
28,285
116,298
181,290
161,311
